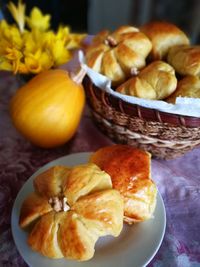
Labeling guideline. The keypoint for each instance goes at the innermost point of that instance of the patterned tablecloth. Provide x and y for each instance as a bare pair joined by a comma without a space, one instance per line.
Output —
178,181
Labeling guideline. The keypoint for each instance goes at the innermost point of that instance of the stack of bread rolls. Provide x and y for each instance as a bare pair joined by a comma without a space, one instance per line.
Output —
155,61
71,207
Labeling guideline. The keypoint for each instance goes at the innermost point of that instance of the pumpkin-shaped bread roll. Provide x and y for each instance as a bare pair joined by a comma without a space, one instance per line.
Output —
69,210
185,59
163,36
156,81
189,86
117,55
129,169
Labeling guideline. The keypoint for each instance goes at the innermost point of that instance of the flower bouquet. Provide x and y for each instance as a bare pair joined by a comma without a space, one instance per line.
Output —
29,46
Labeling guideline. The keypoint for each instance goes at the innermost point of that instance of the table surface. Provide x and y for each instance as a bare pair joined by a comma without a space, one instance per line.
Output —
178,182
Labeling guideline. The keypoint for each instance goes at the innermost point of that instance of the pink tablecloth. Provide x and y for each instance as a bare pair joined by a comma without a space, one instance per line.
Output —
178,181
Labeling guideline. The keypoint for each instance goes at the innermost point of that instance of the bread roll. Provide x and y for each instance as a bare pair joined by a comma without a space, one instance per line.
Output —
189,86
118,54
185,59
78,207
163,36
129,169
156,81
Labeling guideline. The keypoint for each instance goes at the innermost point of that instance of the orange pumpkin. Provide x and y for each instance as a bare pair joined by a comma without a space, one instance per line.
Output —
47,109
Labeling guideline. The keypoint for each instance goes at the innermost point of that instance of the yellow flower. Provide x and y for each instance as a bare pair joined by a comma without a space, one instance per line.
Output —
33,41
75,40
22,68
59,53
36,49
14,56
63,33
30,46
33,65
72,41
5,64
38,20
11,35
56,47
18,13
38,62
4,44
46,60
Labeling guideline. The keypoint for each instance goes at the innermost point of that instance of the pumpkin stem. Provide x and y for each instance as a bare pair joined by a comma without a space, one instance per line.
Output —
78,77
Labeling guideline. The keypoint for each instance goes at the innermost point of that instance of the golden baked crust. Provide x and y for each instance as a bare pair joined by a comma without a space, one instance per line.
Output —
51,187
117,54
129,169
185,59
78,207
189,86
156,81
44,238
163,36
83,180
33,208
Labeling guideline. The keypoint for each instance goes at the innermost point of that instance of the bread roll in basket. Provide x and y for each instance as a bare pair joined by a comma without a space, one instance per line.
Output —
118,54
156,81
69,210
165,135
163,35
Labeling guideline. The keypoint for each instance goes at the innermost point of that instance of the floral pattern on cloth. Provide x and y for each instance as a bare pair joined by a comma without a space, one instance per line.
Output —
178,182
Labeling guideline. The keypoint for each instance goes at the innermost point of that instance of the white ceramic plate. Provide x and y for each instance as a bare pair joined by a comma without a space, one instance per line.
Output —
135,247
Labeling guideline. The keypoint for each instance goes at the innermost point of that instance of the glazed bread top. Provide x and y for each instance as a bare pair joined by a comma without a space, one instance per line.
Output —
163,36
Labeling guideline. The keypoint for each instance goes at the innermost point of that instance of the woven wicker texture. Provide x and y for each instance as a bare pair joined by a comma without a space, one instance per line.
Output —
164,135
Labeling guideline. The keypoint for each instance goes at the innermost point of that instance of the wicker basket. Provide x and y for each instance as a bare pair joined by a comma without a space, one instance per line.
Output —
163,134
